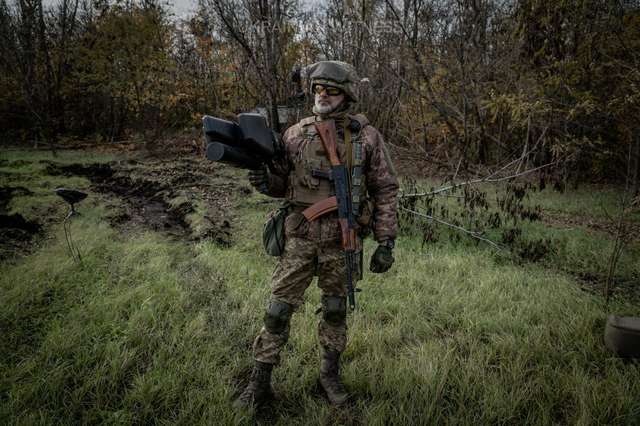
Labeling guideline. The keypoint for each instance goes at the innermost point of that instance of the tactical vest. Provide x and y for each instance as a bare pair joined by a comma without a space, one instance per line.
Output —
309,181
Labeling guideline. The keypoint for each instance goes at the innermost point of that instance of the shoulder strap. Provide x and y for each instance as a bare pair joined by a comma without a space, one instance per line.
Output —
361,119
307,121
348,146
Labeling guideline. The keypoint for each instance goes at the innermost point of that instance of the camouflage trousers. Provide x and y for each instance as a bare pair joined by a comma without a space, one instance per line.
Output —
310,249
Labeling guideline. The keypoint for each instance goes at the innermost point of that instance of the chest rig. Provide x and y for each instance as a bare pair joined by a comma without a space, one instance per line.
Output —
310,181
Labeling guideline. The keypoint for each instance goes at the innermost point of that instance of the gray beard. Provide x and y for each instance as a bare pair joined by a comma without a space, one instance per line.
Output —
323,109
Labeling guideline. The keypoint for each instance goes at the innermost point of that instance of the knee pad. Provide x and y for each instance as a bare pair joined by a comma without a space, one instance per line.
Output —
334,309
276,319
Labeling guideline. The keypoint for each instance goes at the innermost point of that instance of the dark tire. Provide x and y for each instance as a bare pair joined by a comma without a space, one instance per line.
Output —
622,336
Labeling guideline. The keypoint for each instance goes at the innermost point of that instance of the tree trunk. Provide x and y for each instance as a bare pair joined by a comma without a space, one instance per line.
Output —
635,166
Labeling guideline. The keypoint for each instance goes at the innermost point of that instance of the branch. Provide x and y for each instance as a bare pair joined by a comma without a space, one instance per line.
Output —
445,111
480,180
525,154
450,196
456,227
526,172
213,185
236,34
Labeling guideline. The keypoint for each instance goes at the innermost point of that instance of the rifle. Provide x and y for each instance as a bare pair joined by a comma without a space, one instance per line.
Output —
348,227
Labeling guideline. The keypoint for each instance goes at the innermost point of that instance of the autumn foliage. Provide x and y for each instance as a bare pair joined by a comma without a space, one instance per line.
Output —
463,84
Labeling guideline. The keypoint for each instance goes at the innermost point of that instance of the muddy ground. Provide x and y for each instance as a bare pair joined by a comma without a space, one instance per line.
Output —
179,194
16,232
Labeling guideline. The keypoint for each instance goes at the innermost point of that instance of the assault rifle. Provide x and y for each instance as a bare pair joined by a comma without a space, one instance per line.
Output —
348,226
249,144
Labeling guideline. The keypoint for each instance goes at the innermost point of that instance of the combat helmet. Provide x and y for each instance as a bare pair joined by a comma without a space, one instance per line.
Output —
334,73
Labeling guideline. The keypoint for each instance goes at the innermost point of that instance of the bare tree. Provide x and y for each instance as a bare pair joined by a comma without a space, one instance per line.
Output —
261,30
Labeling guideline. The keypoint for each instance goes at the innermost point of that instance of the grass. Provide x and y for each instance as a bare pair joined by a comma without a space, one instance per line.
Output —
152,330
576,234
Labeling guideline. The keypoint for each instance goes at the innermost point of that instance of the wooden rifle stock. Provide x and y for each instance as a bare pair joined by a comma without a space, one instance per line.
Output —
327,131
348,236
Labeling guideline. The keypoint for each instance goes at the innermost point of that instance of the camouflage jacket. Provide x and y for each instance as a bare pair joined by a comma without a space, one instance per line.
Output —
294,175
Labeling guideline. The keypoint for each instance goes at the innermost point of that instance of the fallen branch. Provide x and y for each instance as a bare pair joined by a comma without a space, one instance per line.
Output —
450,196
487,178
456,227
198,184
526,172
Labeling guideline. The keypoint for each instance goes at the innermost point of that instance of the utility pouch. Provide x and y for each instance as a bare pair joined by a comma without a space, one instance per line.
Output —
273,231
365,219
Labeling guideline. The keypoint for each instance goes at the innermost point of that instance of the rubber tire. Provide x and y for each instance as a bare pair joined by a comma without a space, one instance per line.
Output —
622,336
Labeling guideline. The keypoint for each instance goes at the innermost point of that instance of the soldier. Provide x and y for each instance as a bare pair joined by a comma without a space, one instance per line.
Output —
314,248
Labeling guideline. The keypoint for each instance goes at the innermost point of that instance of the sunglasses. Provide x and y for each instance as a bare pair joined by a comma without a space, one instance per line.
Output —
331,91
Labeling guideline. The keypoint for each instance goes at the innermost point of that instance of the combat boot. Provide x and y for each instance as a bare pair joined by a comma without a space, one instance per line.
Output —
259,388
330,377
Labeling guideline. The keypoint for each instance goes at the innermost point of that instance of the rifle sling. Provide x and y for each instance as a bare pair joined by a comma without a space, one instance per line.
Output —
348,145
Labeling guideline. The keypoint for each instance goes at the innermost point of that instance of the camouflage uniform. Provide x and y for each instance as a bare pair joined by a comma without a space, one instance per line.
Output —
301,176
314,248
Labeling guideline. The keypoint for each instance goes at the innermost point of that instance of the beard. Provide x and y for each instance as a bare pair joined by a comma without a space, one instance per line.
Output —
323,108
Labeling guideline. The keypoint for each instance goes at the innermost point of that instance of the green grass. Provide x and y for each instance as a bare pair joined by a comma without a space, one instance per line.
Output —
577,231
150,330
27,169
585,201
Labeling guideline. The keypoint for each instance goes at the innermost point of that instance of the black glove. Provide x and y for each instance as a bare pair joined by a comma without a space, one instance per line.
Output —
259,178
382,259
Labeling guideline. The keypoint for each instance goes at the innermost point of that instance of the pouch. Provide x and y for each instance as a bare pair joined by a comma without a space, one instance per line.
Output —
273,231
365,220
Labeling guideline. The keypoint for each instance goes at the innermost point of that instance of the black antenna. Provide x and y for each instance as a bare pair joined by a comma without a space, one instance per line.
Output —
72,197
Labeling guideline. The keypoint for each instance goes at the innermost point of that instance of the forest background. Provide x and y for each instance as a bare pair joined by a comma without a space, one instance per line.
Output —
465,84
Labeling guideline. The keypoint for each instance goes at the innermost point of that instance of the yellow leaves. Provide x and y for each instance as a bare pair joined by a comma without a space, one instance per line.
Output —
127,58
519,107
438,81
631,21
196,116
582,108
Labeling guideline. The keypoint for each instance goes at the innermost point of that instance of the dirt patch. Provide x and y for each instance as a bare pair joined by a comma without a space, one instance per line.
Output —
16,232
95,172
622,287
143,206
8,192
567,220
187,198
